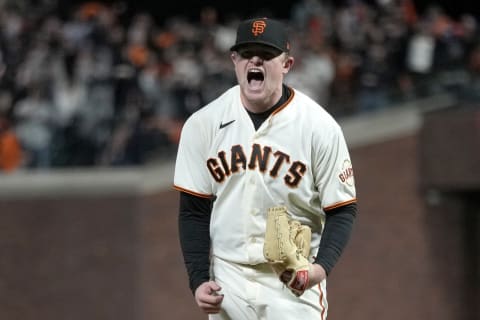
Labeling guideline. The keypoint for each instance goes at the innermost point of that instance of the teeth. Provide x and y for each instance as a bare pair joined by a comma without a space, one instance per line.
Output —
255,74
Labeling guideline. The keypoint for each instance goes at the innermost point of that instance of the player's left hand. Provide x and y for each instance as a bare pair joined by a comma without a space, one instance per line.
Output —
316,274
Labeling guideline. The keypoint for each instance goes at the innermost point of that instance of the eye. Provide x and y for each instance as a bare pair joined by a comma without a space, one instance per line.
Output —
267,55
263,54
246,54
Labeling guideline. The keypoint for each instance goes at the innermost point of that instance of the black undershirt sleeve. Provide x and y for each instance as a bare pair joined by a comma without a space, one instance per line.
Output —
194,231
336,233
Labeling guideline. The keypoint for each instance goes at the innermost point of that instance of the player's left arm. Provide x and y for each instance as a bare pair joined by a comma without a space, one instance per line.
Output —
336,234
336,185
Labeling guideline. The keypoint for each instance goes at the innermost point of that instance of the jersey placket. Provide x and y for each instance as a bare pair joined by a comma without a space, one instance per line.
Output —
255,198
253,225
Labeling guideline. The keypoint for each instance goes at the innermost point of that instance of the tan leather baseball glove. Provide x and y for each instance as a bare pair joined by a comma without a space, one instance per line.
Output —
286,248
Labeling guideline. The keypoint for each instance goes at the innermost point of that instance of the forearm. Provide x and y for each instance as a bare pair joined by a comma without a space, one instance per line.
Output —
336,234
194,224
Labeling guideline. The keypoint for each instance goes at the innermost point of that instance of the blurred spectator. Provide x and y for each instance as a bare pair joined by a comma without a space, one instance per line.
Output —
420,55
315,70
10,151
471,90
104,84
344,84
313,73
34,125
306,13
374,79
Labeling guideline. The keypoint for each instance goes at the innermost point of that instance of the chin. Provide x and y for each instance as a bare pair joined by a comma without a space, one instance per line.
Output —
256,97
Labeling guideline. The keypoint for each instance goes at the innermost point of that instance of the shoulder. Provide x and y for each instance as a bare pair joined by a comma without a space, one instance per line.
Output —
213,112
312,112
209,116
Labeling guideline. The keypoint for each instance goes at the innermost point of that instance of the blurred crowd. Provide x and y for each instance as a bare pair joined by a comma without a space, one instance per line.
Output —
105,86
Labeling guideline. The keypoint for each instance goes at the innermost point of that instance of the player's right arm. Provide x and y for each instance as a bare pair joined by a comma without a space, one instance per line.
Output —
194,226
194,231
193,180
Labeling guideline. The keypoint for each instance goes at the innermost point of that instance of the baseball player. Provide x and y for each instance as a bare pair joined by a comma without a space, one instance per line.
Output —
260,146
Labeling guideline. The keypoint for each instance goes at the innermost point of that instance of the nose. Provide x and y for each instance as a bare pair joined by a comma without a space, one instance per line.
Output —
256,60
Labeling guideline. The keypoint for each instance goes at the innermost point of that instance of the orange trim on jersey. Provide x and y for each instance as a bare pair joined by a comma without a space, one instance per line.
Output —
340,204
322,305
292,94
193,193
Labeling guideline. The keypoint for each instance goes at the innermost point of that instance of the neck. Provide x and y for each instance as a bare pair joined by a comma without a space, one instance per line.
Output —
261,105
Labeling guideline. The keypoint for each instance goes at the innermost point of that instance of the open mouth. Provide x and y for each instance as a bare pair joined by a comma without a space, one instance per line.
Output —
255,77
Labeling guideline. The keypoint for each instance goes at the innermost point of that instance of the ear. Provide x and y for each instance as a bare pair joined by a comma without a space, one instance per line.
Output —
288,63
233,56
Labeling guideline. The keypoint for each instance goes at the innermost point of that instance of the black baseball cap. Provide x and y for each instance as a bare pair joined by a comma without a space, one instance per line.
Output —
264,31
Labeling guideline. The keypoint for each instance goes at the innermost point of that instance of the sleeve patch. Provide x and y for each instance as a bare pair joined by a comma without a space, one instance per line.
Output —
346,173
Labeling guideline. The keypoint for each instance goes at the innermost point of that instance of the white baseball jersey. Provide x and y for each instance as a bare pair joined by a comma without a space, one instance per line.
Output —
298,157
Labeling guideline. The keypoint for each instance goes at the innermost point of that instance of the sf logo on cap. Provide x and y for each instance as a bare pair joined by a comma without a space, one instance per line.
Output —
258,27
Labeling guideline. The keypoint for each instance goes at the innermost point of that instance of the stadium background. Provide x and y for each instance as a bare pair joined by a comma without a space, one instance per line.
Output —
281,8
101,243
